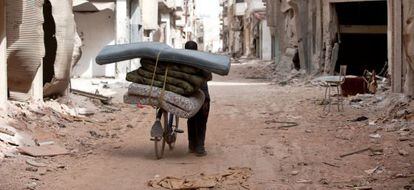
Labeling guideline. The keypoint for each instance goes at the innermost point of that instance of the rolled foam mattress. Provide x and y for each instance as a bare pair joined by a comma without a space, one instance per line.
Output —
218,64
181,106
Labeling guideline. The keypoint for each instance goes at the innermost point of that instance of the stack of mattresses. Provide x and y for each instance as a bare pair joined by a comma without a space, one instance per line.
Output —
168,78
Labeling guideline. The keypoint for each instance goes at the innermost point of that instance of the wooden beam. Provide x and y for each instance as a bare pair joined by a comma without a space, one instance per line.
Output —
363,29
3,55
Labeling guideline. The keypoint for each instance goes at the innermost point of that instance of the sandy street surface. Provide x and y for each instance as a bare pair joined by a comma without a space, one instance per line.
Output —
111,149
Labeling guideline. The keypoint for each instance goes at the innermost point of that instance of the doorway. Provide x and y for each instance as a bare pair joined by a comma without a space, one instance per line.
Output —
362,36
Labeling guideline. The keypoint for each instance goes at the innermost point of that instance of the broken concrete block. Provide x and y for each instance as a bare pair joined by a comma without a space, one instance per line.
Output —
35,163
47,150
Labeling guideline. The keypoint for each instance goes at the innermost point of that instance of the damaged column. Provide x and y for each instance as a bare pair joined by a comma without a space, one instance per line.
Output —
122,34
25,45
408,39
57,72
3,60
40,37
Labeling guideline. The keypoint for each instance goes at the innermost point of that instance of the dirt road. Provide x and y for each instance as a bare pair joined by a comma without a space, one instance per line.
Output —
243,131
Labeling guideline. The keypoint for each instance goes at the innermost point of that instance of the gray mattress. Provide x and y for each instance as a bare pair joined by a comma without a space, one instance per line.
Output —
214,63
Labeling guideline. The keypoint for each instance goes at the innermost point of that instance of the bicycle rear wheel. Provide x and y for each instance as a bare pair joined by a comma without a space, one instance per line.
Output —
159,146
159,142
170,135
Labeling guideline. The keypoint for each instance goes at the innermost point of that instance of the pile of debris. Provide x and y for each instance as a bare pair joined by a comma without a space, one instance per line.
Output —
232,178
21,127
393,106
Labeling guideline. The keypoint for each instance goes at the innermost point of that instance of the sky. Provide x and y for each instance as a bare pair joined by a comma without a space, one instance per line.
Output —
209,11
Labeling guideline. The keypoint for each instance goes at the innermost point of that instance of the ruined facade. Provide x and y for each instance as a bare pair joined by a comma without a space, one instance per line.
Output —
245,32
40,37
365,35
3,57
101,23
45,42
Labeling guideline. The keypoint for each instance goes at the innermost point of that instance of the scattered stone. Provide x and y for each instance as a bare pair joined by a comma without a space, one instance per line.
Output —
95,134
308,131
35,163
31,185
376,136
404,139
376,150
85,111
46,150
304,181
130,126
9,154
294,172
42,171
363,188
31,169
43,143
402,152
7,131
404,133
400,175
355,100
362,118
324,181
61,125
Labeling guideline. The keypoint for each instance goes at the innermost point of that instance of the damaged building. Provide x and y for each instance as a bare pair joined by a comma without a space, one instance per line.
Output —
245,32
107,22
46,42
39,47
362,34
319,36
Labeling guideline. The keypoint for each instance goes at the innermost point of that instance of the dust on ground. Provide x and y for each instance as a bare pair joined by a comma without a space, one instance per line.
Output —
369,145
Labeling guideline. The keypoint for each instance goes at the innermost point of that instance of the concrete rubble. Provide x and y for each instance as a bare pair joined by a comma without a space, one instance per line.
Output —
233,178
19,131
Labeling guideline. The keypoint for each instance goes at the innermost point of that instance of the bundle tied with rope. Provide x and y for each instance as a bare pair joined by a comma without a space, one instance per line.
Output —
165,85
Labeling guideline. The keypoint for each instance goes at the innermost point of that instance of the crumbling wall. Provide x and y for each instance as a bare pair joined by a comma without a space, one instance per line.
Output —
408,40
65,35
26,44
288,39
77,51
25,48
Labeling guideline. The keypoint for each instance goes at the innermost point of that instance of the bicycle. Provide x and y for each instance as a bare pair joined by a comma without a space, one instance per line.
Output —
165,133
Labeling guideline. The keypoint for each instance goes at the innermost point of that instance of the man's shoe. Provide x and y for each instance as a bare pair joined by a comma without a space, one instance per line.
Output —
191,149
200,151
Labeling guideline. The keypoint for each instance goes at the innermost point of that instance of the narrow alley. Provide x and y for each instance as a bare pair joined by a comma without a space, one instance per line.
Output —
113,150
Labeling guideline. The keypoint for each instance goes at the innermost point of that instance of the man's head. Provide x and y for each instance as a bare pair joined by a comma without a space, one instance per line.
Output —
191,45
